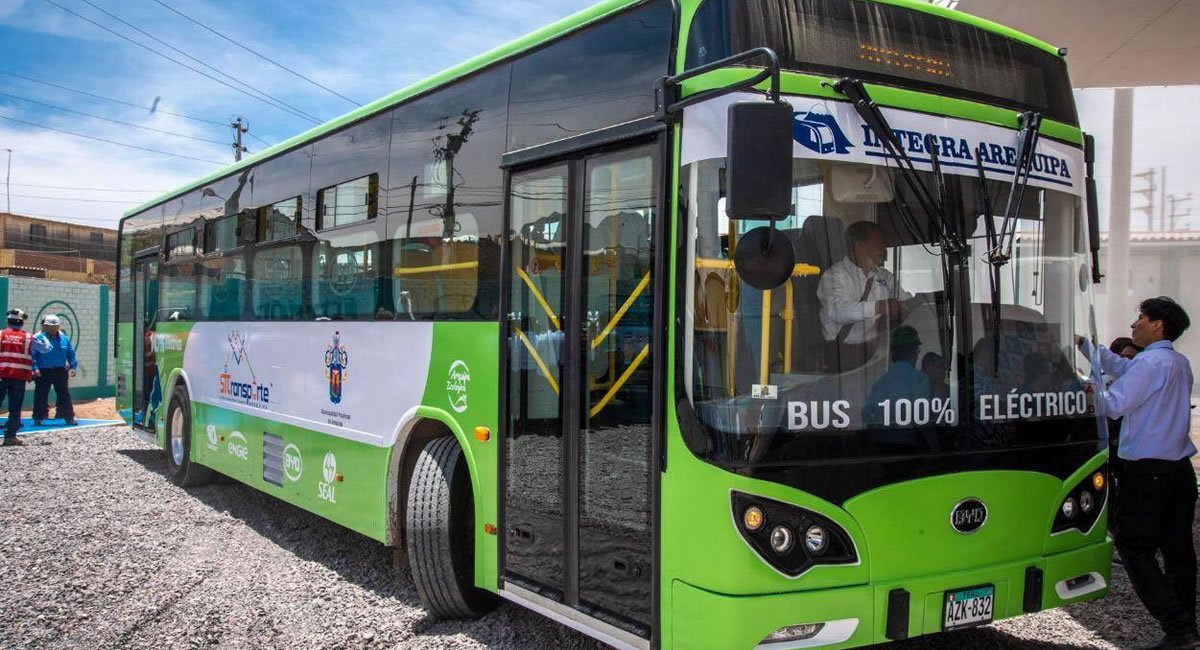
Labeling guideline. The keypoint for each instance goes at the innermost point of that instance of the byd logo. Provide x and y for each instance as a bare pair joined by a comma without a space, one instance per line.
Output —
819,132
968,516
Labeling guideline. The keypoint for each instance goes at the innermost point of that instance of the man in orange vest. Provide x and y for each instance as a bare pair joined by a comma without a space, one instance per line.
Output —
16,370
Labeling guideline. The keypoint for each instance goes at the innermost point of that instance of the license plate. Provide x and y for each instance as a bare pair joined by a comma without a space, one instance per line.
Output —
968,607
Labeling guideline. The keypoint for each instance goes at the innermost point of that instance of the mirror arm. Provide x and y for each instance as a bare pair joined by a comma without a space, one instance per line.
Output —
1093,205
666,90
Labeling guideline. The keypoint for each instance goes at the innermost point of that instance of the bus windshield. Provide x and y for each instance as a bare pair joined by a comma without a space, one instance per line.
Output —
865,351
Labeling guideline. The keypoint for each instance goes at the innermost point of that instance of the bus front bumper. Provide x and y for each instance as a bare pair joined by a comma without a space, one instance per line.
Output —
858,615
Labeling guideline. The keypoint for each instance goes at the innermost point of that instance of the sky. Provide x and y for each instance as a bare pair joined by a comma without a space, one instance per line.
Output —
361,49
1164,138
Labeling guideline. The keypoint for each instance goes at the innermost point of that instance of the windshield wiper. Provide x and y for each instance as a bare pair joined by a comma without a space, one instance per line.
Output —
1027,141
933,202
934,205
989,226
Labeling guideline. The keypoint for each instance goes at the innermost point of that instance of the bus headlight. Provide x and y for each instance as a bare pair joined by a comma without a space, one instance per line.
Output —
1068,508
815,540
1082,506
781,539
789,538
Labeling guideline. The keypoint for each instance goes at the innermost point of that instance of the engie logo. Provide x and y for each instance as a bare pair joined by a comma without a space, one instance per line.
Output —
337,360
237,446
293,462
456,385
819,132
968,516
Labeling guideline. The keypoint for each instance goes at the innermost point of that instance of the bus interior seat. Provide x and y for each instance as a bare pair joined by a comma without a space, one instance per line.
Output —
821,242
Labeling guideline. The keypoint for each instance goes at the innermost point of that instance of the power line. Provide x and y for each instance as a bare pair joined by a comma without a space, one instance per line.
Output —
261,56
97,117
265,143
87,189
181,63
119,144
59,217
152,109
280,102
64,198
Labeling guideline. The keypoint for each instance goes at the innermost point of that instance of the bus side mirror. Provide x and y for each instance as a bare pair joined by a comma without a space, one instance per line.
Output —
759,167
1093,205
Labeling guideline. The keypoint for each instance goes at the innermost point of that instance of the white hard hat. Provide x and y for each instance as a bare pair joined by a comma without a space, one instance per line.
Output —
50,319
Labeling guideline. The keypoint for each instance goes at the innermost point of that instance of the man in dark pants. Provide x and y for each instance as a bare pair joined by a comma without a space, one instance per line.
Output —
16,370
1158,485
53,360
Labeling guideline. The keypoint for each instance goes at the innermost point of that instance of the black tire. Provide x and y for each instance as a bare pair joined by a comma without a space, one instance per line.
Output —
182,470
440,526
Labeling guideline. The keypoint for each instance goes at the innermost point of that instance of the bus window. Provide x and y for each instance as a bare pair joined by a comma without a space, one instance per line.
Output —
345,281
347,203
277,285
222,281
280,220
179,290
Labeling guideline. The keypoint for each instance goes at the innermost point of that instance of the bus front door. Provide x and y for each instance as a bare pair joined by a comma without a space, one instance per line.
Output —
578,456
146,396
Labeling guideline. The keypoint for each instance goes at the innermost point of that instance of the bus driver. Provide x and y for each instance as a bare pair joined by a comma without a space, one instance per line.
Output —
859,297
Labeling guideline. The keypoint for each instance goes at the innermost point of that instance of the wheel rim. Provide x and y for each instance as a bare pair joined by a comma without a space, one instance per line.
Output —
177,437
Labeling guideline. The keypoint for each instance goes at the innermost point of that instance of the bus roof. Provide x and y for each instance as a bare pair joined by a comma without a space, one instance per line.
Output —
527,42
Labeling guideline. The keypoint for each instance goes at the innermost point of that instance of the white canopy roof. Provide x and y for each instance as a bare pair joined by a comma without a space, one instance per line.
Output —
1109,42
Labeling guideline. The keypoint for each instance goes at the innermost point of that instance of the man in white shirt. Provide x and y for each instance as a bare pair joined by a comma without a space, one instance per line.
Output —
859,296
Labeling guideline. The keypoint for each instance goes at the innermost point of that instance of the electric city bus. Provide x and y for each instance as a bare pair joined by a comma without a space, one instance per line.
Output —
694,324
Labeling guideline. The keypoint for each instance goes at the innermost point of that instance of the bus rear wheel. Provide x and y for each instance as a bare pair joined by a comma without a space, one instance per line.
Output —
182,470
440,523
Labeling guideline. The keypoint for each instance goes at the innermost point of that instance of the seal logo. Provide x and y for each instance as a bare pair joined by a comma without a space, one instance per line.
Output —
968,516
337,360
329,468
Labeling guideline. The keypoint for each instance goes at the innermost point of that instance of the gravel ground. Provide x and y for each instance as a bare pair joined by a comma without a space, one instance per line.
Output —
110,554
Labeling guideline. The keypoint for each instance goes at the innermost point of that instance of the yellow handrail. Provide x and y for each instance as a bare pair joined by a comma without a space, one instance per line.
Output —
789,314
764,354
612,392
799,271
537,359
637,291
418,270
537,295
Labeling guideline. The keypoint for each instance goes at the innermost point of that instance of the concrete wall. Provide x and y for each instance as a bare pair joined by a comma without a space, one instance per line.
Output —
87,316
1167,268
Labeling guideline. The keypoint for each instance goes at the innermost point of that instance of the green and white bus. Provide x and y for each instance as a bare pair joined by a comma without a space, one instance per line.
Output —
688,324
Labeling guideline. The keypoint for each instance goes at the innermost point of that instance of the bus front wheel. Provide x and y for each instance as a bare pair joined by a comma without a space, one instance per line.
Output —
441,533
182,470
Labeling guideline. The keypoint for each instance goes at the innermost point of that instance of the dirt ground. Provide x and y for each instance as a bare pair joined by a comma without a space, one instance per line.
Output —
97,409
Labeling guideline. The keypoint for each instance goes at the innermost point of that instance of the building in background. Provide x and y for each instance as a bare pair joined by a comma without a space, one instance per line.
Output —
39,248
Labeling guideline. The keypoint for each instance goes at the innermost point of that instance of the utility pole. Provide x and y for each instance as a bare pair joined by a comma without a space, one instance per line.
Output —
238,131
7,179
446,154
1174,213
1148,192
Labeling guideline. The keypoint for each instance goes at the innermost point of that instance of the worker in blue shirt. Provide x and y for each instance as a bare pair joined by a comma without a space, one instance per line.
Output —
53,359
1152,392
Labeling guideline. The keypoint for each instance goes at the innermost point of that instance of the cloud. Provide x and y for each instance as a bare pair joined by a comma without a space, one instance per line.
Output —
363,51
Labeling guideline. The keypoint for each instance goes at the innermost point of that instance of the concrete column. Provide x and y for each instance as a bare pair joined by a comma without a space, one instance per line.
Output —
1120,304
